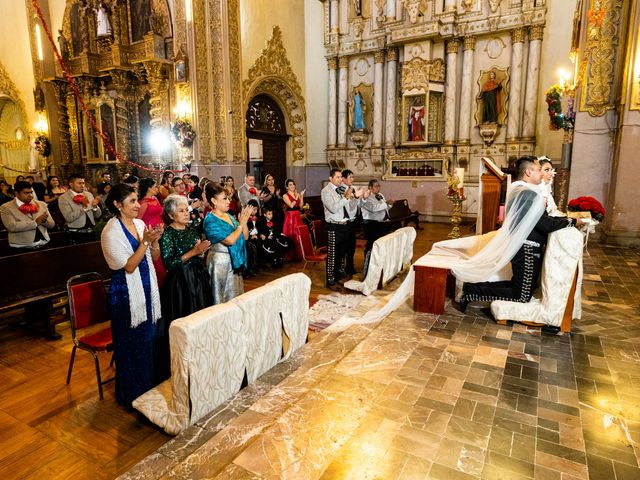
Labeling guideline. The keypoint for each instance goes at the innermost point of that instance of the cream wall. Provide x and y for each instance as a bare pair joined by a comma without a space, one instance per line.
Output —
15,53
257,19
555,55
316,87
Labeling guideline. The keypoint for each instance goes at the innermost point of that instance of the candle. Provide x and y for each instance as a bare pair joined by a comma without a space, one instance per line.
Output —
460,175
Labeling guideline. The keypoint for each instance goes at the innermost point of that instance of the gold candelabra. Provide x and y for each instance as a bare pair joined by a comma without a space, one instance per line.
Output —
456,216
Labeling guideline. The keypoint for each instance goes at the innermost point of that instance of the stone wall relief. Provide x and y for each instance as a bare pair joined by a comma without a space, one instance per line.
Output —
415,9
491,102
494,5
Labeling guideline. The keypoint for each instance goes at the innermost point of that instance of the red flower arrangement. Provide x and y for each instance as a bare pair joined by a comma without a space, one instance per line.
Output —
79,199
587,204
27,208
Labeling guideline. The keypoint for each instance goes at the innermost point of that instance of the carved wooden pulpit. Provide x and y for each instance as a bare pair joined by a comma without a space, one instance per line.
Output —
492,181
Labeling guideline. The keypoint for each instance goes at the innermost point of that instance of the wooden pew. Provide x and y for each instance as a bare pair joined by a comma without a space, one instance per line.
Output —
400,215
33,280
58,239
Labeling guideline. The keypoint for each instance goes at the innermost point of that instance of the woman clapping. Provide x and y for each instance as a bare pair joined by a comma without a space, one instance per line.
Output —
187,284
129,248
228,256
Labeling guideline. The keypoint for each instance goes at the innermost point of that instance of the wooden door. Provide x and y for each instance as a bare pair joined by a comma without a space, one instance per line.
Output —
265,122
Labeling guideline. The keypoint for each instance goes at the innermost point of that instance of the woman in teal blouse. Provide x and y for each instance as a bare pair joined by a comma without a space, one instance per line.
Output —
228,256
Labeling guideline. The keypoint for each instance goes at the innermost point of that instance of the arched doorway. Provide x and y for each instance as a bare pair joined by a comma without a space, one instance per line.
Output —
14,142
266,140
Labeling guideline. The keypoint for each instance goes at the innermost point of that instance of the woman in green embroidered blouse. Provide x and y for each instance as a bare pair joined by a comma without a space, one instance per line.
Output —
187,287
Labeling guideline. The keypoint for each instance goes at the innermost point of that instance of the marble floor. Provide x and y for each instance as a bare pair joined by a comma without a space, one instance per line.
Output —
453,396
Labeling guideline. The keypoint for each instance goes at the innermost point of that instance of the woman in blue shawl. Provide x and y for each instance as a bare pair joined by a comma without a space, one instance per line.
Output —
228,256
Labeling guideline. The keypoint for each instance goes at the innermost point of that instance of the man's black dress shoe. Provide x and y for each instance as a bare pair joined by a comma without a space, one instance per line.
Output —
550,330
463,304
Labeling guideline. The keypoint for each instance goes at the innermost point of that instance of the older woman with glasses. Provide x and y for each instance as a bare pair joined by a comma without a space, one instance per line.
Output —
187,284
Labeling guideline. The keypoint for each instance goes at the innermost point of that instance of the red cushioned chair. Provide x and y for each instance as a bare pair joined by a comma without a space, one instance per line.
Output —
88,307
309,254
319,237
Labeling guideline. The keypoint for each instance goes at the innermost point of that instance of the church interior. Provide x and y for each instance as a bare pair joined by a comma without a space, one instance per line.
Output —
436,100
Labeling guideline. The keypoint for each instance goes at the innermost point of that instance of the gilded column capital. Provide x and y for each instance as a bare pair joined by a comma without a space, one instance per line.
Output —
536,32
453,45
469,43
517,35
332,63
378,56
392,55
343,62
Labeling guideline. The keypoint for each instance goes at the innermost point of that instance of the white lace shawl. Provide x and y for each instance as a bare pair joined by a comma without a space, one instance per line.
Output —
117,250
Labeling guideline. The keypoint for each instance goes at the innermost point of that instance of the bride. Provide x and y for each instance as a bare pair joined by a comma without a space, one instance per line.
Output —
546,187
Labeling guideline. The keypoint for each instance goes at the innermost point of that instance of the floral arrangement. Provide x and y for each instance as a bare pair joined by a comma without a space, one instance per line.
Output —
183,133
587,204
557,119
43,145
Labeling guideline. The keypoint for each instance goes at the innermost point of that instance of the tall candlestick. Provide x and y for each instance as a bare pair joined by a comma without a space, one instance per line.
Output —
460,175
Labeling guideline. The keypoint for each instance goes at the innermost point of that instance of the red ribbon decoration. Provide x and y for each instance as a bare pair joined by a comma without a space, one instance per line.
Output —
27,208
269,224
105,140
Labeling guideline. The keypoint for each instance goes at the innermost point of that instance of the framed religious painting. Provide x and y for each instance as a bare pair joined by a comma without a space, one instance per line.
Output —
415,117
181,67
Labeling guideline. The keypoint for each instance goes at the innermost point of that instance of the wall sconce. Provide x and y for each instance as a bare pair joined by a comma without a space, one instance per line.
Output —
42,126
183,108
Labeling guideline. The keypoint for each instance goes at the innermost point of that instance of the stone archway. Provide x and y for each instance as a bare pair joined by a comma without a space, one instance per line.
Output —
271,75
14,133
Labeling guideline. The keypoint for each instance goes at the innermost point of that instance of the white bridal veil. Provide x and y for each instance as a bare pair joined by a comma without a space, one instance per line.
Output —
479,258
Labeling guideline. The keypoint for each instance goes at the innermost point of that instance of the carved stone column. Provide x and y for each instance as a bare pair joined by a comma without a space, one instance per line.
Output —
533,70
464,127
390,120
122,85
450,89
157,78
378,87
515,89
333,111
343,85
334,16
61,88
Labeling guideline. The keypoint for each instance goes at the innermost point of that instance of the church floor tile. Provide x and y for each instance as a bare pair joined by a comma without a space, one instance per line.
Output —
453,396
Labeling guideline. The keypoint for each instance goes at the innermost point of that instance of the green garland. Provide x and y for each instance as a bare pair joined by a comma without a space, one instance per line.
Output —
557,119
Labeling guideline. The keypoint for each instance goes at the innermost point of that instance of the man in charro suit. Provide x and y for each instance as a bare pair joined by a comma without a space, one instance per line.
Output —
27,220
80,210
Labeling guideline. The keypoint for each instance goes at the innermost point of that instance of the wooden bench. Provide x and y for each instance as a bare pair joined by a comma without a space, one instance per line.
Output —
33,280
58,239
400,215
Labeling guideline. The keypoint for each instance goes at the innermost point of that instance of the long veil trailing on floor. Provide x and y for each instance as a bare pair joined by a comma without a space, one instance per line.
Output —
482,257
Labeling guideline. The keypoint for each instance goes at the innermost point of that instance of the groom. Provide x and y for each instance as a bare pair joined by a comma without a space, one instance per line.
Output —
527,262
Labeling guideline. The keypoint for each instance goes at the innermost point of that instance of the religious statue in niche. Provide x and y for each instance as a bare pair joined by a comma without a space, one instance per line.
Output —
491,102
358,108
359,115
417,120
102,21
63,46
490,97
